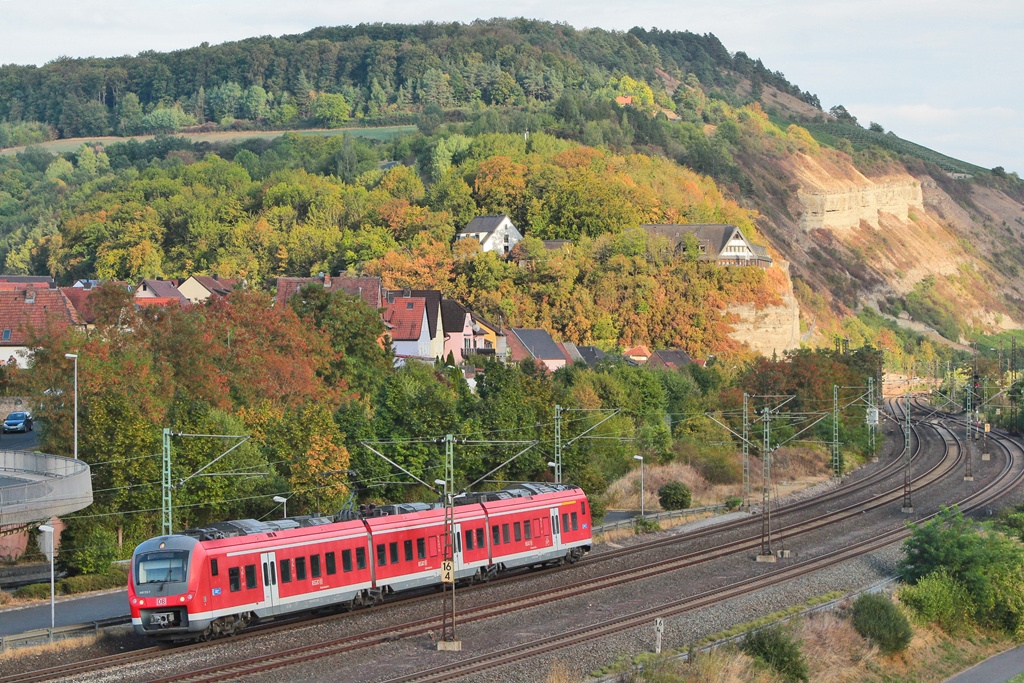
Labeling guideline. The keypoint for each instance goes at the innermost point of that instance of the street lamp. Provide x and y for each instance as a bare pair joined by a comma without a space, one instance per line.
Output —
283,501
49,530
75,357
554,466
641,459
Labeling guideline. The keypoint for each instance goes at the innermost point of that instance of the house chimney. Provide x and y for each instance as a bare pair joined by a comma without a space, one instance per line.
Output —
216,277
407,292
30,295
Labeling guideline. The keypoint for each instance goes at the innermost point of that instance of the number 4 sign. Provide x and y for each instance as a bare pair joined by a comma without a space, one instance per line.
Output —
447,571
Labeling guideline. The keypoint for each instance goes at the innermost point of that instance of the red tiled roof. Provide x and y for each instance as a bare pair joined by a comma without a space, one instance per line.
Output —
517,351
405,316
369,288
79,298
287,287
20,312
639,351
624,99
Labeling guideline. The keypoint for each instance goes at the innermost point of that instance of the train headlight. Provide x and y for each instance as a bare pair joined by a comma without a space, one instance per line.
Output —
181,599
141,602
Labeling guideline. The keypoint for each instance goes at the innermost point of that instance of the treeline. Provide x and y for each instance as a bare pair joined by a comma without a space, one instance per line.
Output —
315,391
302,205
371,71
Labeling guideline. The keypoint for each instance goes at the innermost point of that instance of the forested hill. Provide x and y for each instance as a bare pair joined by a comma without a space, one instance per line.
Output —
382,70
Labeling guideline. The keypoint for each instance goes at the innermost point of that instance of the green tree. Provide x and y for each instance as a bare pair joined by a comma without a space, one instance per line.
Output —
675,495
129,114
330,110
253,103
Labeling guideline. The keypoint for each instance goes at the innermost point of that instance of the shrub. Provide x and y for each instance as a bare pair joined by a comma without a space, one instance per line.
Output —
881,622
675,495
776,647
733,502
641,525
717,466
87,548
940,599
34,591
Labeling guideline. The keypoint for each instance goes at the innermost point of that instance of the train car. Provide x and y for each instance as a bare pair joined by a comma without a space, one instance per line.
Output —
211,582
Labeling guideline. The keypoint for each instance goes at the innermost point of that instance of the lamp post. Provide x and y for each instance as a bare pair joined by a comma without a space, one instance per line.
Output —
553,465
641,459
46,529
283,501
74,356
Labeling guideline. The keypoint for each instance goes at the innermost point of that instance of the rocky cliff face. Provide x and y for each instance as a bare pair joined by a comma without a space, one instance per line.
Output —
846,206
770,329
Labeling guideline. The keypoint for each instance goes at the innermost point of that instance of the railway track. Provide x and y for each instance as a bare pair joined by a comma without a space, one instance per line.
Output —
487,611
342,645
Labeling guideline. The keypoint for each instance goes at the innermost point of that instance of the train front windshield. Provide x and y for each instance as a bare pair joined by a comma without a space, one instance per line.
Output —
161,566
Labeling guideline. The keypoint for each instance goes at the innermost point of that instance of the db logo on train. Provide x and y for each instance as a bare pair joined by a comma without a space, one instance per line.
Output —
447,571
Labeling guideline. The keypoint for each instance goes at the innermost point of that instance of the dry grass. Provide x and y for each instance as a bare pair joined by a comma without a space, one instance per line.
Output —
624,493
560,673
57,646
835,651
792,464
726,665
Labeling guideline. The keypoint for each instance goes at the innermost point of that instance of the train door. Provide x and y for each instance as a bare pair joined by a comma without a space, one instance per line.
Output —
457,549
271,595
556,534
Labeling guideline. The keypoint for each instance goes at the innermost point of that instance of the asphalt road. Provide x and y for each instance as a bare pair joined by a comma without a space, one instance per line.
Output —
996,669
20,441
67,611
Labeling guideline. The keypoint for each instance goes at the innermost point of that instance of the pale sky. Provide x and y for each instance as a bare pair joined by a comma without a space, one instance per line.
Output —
944,74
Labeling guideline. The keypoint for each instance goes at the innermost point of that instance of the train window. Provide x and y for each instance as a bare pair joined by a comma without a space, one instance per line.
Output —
360,558
583,507
314,566
250,576
575,522
458,542
346,560
286,571
480,537
407,546
504,534
394,552
421,548
266,575
555,529
565,522
469,539
526,530
234,579
495,535
332,566
382,554
213,567
300,569
517,529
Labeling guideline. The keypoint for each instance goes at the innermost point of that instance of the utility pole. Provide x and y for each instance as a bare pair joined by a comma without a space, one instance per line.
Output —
908,506
746,452
558,444
872,425
766,554
166,484
448,640
837,467
968,473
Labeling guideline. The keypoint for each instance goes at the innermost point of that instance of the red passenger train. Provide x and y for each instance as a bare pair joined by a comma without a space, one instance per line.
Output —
209,582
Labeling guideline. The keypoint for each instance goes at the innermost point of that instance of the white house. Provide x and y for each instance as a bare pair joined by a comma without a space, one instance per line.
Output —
495,233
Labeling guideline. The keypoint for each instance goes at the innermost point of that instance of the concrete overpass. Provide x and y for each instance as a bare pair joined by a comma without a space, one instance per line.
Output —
36,486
